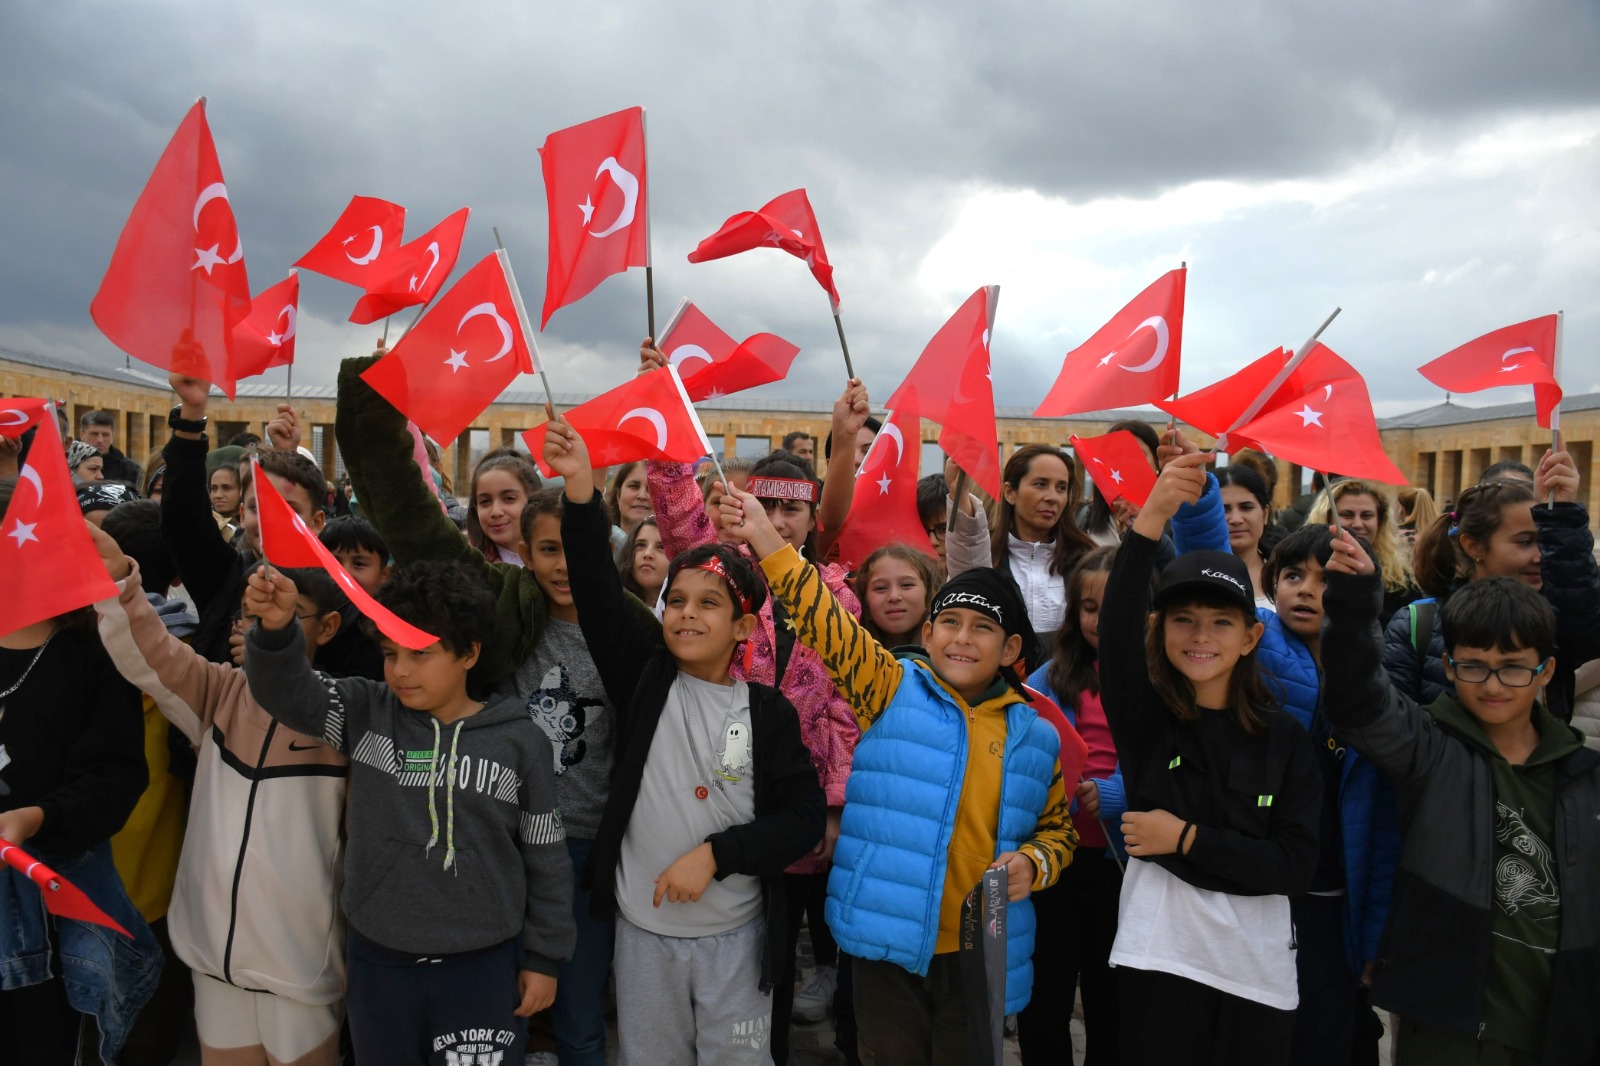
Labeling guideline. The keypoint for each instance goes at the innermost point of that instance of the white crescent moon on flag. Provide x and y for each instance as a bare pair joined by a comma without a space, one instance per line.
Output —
216,191
630,195
30,475
505,327
293,315
22,417
685,352
892,431
1514,351
373,252
433,250
1327,392
654,417
1159,325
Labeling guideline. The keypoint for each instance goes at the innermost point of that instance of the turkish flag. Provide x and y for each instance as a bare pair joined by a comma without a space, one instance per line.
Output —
1132,359
712,365
461,356
176,286
648,417
959,353
416,271
1326,423
266,338
61,897
50,564
1118,465
286,541
883,509
1215,408
786,222
1523,354
594,183
361,245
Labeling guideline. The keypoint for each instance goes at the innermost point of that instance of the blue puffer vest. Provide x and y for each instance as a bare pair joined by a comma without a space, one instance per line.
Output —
1369,820
900,803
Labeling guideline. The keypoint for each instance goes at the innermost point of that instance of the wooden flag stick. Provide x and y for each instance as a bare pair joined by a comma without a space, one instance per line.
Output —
849,370
1333,508
1276,383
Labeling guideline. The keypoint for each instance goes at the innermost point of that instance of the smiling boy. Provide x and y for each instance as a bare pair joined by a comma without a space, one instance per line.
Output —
1489,955
955,773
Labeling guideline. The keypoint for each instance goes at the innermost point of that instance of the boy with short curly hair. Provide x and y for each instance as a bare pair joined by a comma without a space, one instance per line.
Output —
459,904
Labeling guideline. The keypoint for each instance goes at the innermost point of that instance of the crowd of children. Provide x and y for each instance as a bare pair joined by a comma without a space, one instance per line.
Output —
1259,786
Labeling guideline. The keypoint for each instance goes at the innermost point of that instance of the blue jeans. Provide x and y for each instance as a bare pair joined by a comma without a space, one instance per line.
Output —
580,1010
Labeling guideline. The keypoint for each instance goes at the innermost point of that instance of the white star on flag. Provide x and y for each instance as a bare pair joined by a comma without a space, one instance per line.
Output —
1308,417
275,339
1116,475
1107,358
457,362
587,207
207,258
23,532
883,485
715,394
1509,369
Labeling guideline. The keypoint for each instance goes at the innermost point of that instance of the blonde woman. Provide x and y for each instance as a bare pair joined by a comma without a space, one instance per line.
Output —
1366,509
1418,510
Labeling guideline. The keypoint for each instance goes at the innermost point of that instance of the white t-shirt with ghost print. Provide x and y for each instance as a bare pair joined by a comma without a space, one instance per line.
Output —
702,743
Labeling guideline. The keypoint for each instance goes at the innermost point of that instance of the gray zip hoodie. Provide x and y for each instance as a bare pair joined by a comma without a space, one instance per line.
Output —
455,839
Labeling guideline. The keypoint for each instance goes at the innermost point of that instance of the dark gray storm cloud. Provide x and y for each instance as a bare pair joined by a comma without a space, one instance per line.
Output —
898,118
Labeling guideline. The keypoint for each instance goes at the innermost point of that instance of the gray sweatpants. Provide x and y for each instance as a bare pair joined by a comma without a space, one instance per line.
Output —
688,1000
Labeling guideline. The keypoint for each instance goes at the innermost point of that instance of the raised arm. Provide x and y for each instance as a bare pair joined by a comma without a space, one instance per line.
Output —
205,561
862,669
850,413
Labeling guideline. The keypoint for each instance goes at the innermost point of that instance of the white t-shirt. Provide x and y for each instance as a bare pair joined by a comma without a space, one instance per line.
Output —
1237,944
702,740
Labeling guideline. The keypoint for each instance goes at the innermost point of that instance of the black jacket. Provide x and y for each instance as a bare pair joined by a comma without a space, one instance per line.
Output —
1434,960
1257,800
118,467
638,671
1571,585
214,573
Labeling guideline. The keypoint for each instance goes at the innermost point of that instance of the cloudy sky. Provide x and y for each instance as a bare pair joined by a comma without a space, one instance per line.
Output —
1433,167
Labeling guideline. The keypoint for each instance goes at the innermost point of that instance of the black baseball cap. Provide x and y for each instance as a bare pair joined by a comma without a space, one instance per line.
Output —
1207,575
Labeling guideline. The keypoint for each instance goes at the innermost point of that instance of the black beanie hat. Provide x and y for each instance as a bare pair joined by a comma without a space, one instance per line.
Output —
988,592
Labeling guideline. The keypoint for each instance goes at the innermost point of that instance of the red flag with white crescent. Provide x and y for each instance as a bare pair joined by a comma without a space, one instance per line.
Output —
50,564
1520,354
596,189
712,365
959,353
61,897
415,272
883,508
361,244
785,222
649,416
287,541
460,357
1130,360
266,338
1118,465
176,286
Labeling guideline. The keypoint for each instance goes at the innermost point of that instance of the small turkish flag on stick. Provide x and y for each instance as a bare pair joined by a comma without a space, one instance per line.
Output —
883,508
597,192
1521,354
415,272
176,285
266,338
712,365
287,541
49,563
648,417
361,245
1118,465
62,898
1132,359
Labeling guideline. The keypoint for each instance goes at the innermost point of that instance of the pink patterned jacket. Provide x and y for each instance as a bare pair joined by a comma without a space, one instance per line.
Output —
827,724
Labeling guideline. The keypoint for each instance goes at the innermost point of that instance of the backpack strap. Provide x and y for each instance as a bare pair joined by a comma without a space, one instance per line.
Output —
783,641
1422,613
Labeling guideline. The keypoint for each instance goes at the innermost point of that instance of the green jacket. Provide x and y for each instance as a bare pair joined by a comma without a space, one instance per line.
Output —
377,451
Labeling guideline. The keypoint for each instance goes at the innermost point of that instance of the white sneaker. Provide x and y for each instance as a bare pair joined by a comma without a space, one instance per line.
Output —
540,1058
813,1000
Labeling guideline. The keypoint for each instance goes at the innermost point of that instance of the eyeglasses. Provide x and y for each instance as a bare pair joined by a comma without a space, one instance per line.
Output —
938,529
1509,676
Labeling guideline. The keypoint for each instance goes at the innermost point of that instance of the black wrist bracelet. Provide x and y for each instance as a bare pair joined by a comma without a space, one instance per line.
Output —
1183,833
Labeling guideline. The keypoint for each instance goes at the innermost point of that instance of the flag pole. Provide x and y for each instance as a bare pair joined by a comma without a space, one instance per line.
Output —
957,498
849,370
522,316
288,385
1555,372
649,258
385,342
1276,383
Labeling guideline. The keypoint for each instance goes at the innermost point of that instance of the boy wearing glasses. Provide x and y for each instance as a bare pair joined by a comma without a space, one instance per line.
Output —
1492,949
